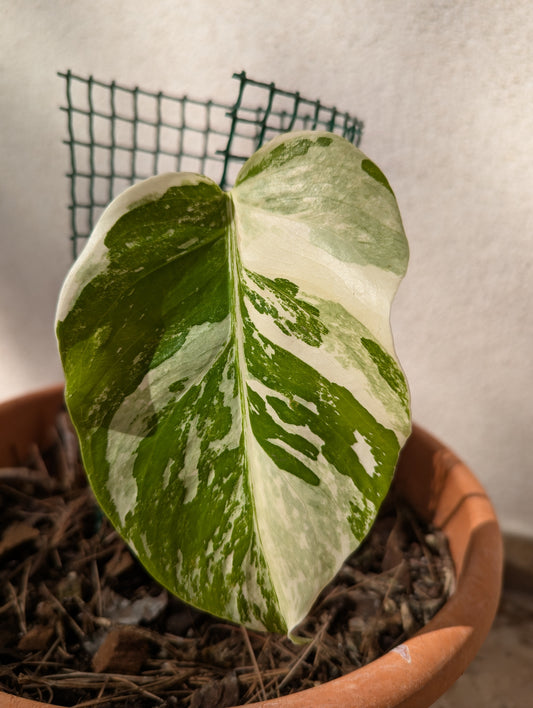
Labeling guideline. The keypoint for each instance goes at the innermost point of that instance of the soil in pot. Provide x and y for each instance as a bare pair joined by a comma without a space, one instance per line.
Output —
81,623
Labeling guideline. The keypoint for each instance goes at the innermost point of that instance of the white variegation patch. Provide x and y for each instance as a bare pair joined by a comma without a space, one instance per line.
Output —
166,474
306,404
364,453
121,452
188,364
189,474
364,291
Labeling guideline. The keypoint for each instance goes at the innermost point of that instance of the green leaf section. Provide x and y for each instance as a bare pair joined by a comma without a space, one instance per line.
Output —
231,375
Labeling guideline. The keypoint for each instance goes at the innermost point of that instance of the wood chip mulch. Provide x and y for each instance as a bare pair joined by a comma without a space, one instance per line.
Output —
82,624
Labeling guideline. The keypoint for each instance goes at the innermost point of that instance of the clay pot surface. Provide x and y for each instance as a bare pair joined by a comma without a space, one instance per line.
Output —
441,489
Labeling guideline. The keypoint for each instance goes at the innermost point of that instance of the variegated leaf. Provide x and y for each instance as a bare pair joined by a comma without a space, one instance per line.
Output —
231,373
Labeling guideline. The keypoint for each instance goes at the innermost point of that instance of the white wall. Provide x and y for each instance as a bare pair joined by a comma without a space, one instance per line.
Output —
446,92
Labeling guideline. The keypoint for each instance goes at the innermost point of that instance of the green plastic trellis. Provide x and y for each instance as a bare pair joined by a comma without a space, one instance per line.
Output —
119,135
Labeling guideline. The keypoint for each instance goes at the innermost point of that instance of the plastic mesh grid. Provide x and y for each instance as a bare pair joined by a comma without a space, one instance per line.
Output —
119,135
263,111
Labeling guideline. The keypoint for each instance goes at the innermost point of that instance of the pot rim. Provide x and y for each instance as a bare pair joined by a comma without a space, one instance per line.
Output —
421,669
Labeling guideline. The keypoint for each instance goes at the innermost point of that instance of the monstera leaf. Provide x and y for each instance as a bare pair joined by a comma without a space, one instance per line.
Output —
231,374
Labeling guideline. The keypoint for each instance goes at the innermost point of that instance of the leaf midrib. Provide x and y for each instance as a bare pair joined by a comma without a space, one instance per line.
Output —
237,332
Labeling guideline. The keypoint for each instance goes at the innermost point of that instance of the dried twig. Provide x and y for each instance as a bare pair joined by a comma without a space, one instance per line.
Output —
303,656
257,672
53,599
16,604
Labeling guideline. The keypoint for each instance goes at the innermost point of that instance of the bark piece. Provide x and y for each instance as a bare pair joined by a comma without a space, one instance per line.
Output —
15,535
38,638
123,651
217,693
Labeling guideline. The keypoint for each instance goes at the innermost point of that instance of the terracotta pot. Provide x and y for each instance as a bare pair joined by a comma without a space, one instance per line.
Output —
441,489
